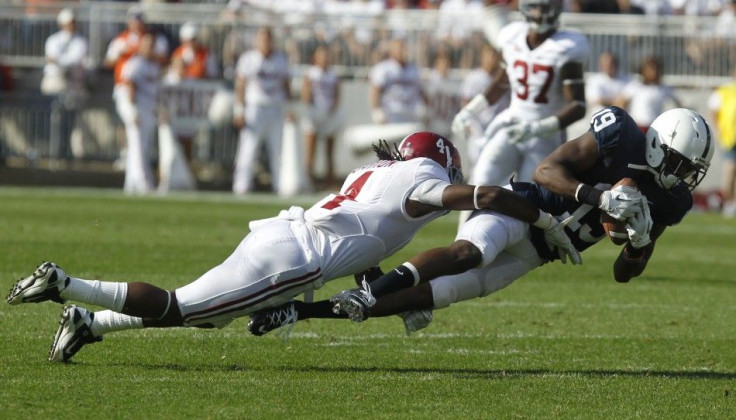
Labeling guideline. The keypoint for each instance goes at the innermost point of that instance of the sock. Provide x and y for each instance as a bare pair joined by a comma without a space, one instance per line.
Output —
401,277
104,322
321,309
109,295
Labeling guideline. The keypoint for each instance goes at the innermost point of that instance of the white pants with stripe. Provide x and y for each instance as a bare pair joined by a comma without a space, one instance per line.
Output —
508,254
271,266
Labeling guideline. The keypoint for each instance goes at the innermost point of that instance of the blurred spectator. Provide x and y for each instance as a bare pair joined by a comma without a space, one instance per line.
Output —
6,78
323,120
261,94
654,7
64,77
442,96
722,104
396,94
191,60
646,98
603,88
598,6
696,7
625,7
137,95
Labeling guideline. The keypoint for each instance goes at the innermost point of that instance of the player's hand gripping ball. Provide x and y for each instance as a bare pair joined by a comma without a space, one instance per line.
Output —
616,229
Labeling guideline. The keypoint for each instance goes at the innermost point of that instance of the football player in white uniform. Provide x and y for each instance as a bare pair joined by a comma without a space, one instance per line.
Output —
378,210
544,69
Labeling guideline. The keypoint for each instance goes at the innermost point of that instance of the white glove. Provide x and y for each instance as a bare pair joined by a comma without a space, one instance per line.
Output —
622,202
525,130
639,226
461,126
556,238
463,121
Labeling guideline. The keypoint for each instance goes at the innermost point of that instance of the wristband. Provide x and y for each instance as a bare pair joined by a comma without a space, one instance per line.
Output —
478,104
475,197
588,195
545,220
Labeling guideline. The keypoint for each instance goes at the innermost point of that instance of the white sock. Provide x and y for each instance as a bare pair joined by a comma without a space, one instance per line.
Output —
109,295
109,321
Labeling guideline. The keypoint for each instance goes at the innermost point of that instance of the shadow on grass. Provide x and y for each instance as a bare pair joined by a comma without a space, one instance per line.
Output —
457,373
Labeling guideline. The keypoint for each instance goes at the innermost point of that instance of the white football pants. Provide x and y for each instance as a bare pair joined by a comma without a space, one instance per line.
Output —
508,254
138,134
262,123
270,267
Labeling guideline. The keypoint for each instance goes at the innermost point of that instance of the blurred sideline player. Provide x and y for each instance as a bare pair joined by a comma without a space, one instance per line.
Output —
378,210
544,69
722,104
666,163
321,94
262,90
137,101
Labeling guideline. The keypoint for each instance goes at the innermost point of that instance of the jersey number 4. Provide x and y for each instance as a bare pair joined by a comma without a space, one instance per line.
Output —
350,194
523,91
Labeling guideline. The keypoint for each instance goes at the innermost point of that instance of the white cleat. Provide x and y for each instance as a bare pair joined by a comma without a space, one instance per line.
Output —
73,333
44,284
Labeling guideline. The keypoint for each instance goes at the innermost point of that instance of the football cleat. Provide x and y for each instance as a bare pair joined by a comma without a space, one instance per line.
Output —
269,319
354,302
416,320
73,333
44,284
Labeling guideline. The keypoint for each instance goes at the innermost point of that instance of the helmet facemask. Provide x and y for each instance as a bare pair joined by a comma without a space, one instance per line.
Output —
542,15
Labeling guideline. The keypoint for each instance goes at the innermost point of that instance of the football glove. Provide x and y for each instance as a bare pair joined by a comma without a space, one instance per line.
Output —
622,202
464,120
525,130
639,226
556,238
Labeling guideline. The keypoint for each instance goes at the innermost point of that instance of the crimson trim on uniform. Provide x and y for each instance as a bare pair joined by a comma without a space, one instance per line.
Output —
274,289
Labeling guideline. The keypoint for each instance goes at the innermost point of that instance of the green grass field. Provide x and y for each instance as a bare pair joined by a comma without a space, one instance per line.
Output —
562,342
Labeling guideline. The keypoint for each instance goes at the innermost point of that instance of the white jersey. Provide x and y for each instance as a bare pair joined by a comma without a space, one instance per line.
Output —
266,77
646,102
601,88
367,221
534,75
323,87
144,75
401,86
66,50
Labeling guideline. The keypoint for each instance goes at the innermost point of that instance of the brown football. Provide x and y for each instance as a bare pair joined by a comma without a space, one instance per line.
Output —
616,229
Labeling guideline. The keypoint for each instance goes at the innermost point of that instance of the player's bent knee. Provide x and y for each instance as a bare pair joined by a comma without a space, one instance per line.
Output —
465,255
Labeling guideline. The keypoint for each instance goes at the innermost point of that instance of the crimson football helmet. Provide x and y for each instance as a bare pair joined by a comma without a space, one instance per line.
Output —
679,148
542,15
436,147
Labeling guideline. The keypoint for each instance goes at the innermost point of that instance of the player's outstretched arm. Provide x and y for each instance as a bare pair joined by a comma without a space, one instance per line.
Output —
556,171
631,262
573,90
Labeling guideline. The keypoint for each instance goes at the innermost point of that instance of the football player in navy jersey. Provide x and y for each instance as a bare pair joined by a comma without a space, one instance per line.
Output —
572,183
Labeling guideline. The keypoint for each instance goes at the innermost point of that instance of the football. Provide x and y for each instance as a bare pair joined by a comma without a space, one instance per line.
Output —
616,229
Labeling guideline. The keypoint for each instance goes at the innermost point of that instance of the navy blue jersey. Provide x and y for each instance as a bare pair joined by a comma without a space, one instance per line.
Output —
620,143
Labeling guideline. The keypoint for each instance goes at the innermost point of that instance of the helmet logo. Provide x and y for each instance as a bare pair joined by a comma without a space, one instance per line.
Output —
674,132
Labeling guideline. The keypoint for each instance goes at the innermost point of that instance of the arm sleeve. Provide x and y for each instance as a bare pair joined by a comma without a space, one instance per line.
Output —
431,181
429,192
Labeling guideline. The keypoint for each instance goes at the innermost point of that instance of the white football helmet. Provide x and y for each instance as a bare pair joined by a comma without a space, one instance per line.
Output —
679,148
542,15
